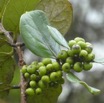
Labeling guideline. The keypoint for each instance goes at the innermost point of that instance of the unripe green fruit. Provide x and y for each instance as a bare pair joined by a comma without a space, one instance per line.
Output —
88,44
89,49
31,69
27,75
56,66
82,44
66,67
87,66
90,57
38,91
70,53
34,63
32,84
59,74
41,84
61,81
40,64
78,67
71,43
53,76
45,79
46,61
77,39
70,60
24,69
30,91
42,70
76,49
83,53
33,77
62,55
49,67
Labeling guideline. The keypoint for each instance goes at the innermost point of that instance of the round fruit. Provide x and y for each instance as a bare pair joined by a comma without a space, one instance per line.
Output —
33,77
78,67
62,55
76,49
70,60
41,84
87,66
71,43
27,75
30,91
49,67
32,84
66,67
59,73
77,39
38,91
45,79
83,53
89,49
24,69
46,61
31,69
88,44
70,53
42,70
40,64
82,44
53,76
56,66
90,57
61,81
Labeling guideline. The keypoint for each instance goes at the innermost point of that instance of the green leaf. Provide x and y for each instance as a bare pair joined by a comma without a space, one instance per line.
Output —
57,36
100,61
7,65
50,95
59,13
36,35
2,6
14,9
72,78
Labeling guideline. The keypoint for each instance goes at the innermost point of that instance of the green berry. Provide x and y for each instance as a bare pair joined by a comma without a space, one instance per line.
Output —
76,49
53,76
42,70
82,44
32,84
71,43
61,81
33,77
30,91
83,53
46,61
49,67
45,79
62,55
78,67
31,69
38,91
89,49
66,67
40,64
24,69
87,66
77,39
27,75
90,57
41,84
70,60
70,53
88,44
59,73
56,66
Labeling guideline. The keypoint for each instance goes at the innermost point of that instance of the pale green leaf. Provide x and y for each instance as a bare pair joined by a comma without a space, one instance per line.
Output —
57,36
50,95
72,78
36,35
14,9
59,13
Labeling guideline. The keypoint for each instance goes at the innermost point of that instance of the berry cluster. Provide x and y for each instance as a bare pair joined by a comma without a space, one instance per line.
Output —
78,57
42,75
